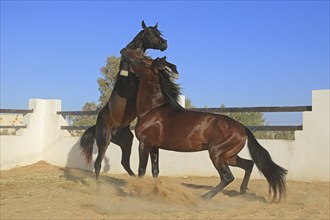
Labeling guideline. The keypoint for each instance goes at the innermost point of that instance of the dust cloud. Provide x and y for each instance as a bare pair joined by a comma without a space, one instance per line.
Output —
144,195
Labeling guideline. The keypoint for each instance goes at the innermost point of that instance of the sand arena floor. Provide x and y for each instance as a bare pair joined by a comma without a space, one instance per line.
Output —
44,191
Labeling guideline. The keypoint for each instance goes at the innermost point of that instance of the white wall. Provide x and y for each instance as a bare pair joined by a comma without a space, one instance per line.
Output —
306,157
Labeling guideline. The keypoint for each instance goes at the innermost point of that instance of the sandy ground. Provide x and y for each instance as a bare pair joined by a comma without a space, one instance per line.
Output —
43,191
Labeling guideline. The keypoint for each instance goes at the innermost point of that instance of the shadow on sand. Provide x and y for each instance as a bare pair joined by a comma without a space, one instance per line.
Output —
87,178
230,193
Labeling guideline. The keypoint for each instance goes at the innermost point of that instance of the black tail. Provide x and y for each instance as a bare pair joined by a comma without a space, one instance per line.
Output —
274,174
86,143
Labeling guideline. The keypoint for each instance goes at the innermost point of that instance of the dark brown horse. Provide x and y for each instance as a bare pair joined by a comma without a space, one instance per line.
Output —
113,121
163,123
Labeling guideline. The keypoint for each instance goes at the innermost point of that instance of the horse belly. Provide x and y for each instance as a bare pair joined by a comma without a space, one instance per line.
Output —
181,148
186,134
183,140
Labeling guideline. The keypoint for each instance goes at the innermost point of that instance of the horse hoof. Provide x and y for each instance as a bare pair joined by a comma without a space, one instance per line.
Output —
206,197
243,191
132,174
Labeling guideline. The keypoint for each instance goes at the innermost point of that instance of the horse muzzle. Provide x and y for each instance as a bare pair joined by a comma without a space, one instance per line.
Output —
163,46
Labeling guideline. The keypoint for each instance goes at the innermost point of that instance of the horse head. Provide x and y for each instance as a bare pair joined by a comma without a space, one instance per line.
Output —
152,38
148,38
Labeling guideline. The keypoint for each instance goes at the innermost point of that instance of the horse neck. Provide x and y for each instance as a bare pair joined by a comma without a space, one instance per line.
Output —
149,95
137,44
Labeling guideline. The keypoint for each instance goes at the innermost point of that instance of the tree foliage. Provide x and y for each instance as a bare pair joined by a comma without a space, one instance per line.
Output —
258,119
108,79
249,119
106,84
85,119
188,103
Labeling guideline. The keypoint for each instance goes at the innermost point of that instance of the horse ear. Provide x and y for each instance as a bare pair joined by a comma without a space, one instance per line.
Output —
156,26
144,26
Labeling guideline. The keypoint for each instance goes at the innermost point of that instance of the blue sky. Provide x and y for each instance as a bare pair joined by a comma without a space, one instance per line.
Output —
237,53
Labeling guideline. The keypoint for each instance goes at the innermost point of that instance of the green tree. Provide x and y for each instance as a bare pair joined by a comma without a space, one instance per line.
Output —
108,79
106,84
84,120
188,103
257,119
249,119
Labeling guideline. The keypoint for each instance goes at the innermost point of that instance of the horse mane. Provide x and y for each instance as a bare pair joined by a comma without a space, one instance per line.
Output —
137,41
171,90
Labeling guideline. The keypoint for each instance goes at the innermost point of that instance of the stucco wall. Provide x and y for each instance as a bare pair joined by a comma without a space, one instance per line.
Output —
306,157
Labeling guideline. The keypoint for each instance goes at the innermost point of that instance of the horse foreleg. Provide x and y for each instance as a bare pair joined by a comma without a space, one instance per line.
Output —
143,157
124,139
154,155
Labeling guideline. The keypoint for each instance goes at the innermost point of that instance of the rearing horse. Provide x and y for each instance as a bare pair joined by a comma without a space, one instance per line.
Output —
113,121
163,123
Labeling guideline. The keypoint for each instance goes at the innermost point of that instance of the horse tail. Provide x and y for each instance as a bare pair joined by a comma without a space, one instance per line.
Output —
86,143
274,174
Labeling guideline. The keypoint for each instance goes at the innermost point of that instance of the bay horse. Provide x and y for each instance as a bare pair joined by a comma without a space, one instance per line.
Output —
113,120
163,123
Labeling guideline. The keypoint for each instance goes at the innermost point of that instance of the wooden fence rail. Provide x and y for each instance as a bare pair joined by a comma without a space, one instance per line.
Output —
257,109
14,111
215,110
253,128
220,110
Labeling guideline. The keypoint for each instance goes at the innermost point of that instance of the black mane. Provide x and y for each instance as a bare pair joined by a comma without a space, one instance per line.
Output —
136,42
171,90
138,39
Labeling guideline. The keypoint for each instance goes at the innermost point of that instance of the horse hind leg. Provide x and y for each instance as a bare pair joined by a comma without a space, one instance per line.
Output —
103,137
124,138
245,164
226,176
